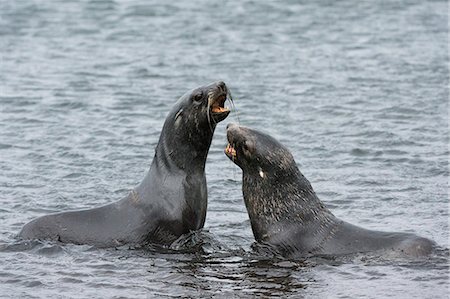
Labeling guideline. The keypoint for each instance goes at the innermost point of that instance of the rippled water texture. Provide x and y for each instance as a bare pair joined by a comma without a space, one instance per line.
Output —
358,90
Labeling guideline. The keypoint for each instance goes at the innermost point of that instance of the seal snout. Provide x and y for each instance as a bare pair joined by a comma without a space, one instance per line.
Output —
222,86
232,133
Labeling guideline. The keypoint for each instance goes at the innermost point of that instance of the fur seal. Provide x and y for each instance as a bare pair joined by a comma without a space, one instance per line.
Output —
286,214
172,198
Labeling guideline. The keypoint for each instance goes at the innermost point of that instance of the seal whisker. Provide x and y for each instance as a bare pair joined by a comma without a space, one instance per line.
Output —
233,106
208,113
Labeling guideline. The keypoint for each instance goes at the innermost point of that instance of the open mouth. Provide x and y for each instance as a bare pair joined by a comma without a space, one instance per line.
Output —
218,109
230,151
218,105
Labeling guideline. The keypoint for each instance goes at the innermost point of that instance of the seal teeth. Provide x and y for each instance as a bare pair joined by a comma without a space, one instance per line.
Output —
218,105
230,150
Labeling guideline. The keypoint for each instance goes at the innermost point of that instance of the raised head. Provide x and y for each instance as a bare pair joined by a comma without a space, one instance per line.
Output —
257,153
201,108
189,127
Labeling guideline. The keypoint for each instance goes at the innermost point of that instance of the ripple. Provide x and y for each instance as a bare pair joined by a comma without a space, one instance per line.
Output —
355,90
50,250
365,152
74,175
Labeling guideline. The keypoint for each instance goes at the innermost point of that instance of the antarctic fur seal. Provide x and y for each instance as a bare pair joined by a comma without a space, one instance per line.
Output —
285,212
172,198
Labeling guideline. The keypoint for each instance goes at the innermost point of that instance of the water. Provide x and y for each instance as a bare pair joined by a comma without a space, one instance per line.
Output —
358,90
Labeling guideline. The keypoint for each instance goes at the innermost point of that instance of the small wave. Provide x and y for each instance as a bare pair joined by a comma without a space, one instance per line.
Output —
74,175
5,146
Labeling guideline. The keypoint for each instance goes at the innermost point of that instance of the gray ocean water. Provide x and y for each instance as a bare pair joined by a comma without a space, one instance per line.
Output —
357,90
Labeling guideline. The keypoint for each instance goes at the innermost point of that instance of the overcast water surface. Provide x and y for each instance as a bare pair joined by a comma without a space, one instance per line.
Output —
357,90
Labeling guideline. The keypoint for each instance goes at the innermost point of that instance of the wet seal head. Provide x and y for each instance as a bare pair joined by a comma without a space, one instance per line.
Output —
203,106
257,152
190,125
286,214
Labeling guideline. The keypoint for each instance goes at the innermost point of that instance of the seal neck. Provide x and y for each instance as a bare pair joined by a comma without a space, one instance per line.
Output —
178,154
183,147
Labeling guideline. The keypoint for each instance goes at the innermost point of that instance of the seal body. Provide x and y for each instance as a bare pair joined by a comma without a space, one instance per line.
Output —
285,212
172,198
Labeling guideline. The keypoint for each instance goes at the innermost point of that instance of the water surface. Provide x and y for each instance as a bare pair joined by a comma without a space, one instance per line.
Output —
357,90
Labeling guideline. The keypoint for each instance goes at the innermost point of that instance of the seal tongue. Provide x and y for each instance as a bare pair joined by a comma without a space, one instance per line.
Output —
218,109
218,105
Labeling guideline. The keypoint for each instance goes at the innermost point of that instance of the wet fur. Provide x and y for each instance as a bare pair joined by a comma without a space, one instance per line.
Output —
286,213
169,202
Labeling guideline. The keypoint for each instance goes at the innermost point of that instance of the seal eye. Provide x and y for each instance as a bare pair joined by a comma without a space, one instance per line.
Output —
198,96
